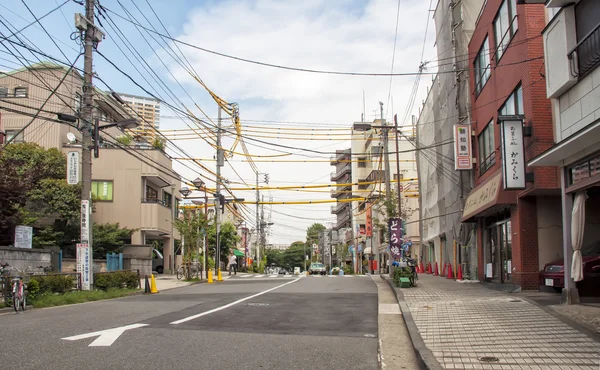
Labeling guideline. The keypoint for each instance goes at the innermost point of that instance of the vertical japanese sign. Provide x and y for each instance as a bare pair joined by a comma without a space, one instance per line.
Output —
83,264
462,147
369,226
73,168
513,156
395,228
85,221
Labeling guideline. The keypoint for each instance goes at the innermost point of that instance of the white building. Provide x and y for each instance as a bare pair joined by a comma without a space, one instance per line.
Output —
572,57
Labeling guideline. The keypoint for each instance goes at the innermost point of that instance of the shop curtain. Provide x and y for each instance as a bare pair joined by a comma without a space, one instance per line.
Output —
577,229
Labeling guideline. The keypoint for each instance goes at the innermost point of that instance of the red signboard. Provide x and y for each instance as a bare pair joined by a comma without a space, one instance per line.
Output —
369,227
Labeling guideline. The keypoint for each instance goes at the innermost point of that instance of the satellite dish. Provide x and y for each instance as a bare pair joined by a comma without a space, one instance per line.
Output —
71,137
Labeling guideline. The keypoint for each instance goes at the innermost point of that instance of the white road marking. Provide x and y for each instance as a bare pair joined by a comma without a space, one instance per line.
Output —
273,276
389,309
177,322
105,337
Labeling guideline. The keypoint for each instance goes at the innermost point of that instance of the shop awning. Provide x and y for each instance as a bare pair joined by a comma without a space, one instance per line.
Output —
582,142
487,195
238,253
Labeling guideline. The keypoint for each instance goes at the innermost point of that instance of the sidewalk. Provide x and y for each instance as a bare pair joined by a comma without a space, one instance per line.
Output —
166,282
468,326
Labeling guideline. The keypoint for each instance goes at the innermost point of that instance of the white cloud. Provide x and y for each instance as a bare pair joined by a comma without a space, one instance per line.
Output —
344,35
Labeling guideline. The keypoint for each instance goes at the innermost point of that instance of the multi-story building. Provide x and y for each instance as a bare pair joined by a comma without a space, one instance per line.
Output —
148,111
342,175
516,209
572,76
442,187
134,186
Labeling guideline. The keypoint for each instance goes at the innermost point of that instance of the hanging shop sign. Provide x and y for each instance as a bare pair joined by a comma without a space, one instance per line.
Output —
395,228
513,154
463,151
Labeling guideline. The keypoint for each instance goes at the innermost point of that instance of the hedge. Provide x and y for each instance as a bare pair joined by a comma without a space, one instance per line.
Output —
117,279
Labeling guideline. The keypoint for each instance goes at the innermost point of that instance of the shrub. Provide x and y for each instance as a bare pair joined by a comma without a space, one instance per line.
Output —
348,270
47,284
116,280
400,272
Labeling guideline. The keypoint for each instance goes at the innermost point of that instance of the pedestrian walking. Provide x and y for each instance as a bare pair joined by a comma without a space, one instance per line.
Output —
232,264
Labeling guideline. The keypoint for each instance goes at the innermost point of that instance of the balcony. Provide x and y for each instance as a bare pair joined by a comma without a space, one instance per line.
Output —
340,155
340,190
339,207
337,175
156,215
157,164
585,56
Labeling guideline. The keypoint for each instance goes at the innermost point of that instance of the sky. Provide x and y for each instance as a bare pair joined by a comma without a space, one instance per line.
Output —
333,35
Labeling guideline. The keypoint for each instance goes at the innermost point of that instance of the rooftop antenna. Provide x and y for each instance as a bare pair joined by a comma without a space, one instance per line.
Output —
364,105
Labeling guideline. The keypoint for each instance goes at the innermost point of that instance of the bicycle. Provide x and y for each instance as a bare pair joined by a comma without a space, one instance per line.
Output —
194,271
412,264
19,299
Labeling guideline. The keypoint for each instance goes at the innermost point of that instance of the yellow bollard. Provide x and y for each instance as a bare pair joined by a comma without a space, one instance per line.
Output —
307,273
219,277
153,289
210,279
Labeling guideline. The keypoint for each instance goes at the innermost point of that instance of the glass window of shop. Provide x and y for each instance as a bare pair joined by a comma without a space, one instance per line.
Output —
498,251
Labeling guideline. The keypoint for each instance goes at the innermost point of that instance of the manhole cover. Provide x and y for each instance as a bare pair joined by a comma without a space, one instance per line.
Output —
257,304
488,359
427,307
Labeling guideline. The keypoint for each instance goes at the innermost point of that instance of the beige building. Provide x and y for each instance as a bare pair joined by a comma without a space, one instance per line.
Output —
135,187
147,109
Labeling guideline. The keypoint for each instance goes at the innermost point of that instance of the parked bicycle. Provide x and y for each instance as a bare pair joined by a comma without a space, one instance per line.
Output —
412,264
193,268
19,300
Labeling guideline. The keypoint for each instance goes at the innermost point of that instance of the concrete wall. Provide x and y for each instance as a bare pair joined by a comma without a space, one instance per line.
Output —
69,265
549,229
22,258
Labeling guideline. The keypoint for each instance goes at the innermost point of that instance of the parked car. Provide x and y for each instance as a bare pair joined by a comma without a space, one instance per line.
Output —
317,269
158,261
296,270
553,273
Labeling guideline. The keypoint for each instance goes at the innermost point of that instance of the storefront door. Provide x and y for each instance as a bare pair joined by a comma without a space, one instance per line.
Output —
499,252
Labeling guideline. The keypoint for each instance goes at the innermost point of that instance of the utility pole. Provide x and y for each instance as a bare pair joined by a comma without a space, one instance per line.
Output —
87,120
398,174
220,160
257,222
386,158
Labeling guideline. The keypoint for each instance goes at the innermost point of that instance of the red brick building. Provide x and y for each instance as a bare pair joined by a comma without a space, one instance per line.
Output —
518,231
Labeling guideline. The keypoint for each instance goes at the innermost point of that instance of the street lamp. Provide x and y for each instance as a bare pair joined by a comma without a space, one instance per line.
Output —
185,192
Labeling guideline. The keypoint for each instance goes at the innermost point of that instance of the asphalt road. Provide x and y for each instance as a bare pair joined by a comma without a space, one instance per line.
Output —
310,322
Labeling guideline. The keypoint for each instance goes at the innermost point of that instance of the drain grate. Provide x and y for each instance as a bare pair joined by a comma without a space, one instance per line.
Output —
515,300
489,359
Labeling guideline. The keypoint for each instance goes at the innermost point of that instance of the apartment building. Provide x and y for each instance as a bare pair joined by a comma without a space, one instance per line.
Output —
342,160
147,109
443,185
135,187
571,40
515,208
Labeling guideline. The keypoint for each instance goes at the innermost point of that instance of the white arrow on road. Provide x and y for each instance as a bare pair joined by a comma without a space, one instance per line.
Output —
105,337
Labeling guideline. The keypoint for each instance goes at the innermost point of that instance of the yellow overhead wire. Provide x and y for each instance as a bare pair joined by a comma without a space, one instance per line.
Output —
315,186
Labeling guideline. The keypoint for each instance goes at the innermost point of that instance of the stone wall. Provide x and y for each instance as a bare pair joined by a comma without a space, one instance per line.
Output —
69,265
23,258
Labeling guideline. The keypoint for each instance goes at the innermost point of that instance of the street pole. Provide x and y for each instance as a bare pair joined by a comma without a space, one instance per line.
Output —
398,173
87,112
386,158
220,161
257,222
205,250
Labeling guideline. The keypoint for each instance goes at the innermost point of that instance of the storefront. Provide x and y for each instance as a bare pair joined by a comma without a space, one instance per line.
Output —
497,247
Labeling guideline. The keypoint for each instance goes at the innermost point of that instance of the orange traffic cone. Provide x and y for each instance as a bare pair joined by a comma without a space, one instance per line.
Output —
450,276
422,268
436,272
459,273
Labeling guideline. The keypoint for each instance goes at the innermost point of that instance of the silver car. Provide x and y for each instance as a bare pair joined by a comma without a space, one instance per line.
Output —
317,269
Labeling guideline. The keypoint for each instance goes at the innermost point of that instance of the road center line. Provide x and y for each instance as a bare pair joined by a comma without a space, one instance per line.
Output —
230,304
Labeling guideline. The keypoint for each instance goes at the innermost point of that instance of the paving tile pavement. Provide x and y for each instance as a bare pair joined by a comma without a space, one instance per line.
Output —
462,323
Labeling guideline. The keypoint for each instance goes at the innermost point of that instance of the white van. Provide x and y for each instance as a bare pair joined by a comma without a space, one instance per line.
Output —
158,261
296,270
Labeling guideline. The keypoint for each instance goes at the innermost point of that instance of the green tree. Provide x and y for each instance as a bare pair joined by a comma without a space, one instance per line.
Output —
191,227
228,238
389,209
293,256
312,237
32,186
108,238
274,257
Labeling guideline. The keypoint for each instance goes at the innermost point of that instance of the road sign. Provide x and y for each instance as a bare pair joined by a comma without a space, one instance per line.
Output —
23,236
85,221
105,337
83,264
73,168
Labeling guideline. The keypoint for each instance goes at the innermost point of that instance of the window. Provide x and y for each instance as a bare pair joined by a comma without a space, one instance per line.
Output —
514,103
151,193
362,162
505,26
3,92
102,190
167,199
396,176
487,150
482,66
20,92
11,133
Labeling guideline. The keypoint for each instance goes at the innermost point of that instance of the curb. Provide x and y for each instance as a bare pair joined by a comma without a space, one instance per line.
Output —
424,356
